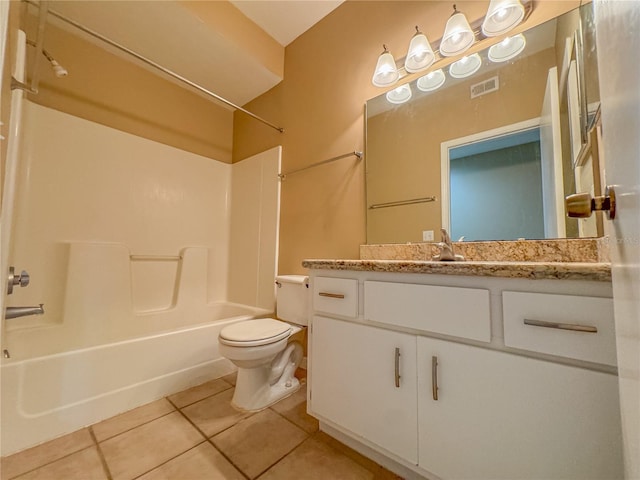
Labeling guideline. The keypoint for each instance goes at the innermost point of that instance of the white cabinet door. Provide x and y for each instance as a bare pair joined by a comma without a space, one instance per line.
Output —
503,416
353,383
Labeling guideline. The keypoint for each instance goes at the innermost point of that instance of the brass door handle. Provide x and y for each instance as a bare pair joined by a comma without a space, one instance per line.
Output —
580,205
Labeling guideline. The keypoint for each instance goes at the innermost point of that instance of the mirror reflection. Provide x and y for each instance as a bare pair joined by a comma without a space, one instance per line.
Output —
489,146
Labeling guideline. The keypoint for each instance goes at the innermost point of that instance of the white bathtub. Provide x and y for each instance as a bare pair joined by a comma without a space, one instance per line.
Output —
48,396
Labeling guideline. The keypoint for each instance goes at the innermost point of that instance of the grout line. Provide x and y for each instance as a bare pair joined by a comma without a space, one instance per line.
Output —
200,399
170,459
188,420
51,462
103,460
209,439
291,422
133,428
283,457
288,419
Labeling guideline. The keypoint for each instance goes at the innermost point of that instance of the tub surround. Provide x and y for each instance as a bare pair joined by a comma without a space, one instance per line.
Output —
136,293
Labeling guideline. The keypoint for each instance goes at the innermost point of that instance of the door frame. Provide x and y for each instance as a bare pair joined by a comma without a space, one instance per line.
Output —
446,147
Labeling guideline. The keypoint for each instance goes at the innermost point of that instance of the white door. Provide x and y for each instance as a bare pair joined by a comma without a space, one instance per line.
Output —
353,383
503,416
618,41
551,158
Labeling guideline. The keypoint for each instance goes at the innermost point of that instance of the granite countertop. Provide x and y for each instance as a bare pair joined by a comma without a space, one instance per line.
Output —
511,269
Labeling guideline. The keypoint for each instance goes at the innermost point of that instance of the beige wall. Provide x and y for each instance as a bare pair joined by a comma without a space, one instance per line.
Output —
403,150
320,104
104,88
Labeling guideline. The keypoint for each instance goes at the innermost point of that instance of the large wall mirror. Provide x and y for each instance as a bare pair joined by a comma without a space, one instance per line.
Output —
490,155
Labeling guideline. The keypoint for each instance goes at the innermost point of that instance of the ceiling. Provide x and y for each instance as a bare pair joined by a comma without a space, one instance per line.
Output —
286,20
185,38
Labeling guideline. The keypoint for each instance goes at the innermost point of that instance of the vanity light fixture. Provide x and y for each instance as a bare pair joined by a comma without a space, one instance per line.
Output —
466,66
432,81
507,49
399,95
386,72
502,16
458,36
420,55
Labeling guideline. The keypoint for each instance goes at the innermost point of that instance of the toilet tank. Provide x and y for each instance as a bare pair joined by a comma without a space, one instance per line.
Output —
292,298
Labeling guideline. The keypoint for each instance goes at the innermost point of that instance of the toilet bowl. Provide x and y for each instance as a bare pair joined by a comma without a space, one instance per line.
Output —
262,350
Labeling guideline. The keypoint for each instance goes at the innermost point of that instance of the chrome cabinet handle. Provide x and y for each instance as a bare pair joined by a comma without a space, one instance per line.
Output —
397,359
331,295
561,326
434,377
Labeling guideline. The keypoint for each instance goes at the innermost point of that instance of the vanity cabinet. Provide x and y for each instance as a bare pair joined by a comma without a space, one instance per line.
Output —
473,399
364,379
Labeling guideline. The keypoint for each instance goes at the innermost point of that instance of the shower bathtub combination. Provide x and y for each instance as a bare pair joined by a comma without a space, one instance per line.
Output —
140,252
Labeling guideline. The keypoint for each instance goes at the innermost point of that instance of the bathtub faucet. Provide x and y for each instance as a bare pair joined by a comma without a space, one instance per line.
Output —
15,312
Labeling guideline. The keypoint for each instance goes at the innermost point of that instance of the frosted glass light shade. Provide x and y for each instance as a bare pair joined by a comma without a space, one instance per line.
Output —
458,36
386,72
432,81
399,95
507,49
420,54
466,66
502,16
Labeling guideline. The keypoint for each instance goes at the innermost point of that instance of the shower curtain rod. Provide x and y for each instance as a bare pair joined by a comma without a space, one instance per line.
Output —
155,65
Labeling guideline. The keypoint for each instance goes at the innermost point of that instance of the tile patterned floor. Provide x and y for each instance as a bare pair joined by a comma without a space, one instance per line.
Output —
196,434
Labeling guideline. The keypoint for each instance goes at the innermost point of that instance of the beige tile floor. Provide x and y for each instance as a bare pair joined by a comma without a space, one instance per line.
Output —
196,434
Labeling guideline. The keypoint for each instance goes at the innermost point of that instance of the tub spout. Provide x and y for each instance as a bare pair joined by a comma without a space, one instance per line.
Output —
15,312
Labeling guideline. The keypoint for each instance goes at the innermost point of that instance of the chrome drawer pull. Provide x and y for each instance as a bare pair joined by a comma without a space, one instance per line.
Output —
331,295
561,326
397,367
434,377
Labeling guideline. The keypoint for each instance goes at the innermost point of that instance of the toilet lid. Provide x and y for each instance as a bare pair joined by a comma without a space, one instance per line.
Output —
250,333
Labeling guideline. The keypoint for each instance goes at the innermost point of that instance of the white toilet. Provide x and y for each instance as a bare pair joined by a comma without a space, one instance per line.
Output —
261,349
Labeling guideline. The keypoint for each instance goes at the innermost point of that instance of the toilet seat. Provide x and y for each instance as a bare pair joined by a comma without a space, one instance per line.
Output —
253,333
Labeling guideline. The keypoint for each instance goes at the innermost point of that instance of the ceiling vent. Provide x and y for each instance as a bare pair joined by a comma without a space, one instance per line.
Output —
484,87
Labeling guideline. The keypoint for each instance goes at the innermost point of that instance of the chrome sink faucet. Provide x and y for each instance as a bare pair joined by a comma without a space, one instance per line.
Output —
446,250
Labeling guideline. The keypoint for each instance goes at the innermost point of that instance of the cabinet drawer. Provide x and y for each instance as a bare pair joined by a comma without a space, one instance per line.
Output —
564,325
336,296
462,312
